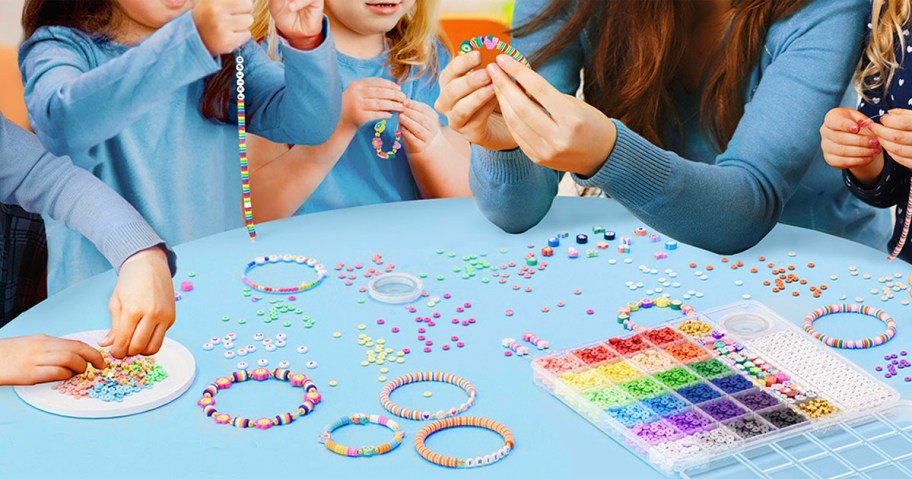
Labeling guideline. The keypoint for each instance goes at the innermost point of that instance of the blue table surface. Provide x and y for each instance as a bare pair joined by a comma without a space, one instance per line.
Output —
431,237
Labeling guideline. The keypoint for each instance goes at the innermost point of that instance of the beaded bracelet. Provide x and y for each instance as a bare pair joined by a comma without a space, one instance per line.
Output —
311,397
361,420
242,147
850,343
288,258
904,234
447,461
623,316
377,142
421,377
490,42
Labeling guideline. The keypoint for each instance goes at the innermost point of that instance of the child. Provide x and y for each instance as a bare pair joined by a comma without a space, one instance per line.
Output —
873,146
40,182
389,59
116,83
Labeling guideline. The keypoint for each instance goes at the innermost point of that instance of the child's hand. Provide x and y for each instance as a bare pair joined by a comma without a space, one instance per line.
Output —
223,25
370,99
142,306
420,125
299,21
40,358
846,143
895,135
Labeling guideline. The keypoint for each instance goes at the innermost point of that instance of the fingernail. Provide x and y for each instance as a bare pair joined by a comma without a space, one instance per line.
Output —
874,142
503,60
877,150
489,89
853,128
481,77
107,338
492,70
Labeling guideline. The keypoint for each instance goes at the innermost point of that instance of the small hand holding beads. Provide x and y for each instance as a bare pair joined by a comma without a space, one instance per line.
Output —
377,142
311,397
364,451
288,258
453,462
422,377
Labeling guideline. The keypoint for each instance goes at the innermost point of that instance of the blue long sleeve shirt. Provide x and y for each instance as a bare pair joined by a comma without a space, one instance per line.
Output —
43,183
131,116
771,171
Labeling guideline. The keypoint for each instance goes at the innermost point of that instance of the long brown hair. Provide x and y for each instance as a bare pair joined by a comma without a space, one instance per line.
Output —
637,47
99,19
878,62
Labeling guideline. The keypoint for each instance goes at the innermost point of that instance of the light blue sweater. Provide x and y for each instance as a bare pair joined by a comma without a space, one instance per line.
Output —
773,169
131,116
43,183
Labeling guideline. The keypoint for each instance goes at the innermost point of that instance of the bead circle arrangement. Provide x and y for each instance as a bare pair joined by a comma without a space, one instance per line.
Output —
465,421
490,42
850,343
242,147
377,142
311,397
907,221
362,420
288,258
624,313
402,412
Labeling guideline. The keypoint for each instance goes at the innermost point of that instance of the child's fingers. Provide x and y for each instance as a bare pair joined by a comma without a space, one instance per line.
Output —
414,126
46,374
848,139
897,119
843,162
385,94
88,353
847,150
141,337
66,359
377,115
895,136
155,342
844,119
373,104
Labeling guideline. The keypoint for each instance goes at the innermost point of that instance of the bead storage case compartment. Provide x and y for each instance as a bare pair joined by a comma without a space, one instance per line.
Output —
695,389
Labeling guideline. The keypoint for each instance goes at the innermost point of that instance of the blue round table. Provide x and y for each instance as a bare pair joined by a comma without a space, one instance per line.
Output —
436,239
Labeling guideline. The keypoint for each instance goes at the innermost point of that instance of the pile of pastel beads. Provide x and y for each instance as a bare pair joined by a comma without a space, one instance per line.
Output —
361,420
288,258
311,397
536,341
119,378
402,412
850,343
453,462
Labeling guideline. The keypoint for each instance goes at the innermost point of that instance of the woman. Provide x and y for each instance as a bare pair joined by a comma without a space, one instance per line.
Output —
701,117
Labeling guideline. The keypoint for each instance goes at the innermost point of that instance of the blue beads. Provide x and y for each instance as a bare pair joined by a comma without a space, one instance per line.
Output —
698,393
732,384
553,241
609,235
582,239
631,416
665,405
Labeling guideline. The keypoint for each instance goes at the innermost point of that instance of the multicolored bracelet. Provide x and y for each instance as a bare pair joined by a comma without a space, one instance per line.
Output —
850,343
490,42
311,397
904,234
242,147
447,461
623,316
364,451
421,377
377,142
288,258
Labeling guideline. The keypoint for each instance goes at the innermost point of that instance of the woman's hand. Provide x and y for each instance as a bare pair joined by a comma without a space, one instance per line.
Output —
467,100
40,358
554,130
846,144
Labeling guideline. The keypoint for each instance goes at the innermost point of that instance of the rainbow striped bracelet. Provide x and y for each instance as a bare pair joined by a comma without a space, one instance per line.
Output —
288,258
311,397
362,420
850,343
422,377
490,42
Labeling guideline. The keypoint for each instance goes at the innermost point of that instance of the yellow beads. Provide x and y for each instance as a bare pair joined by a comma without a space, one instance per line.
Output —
817,408
619,372
584,380
696,328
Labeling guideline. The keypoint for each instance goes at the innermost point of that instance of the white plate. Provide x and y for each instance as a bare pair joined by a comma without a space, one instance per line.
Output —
173,357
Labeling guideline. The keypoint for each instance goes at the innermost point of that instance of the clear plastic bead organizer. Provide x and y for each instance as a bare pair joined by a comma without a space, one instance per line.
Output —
707,394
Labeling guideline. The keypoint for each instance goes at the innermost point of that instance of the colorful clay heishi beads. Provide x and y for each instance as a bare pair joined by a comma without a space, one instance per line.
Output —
851,308
690,422
732,384
643,388
595,355
631,416
584,380
722,409
687,352
117,380
628,345
695,328
710,368
242,147
657,432
614,396
756,399
652,360
402,412
750,426
665,404
453,462
311,397
783,417
534,340
302,260
816,408
559,364
365,451
619,371
676,377
662,336
698,393
490,42
904,234
514,346
377,142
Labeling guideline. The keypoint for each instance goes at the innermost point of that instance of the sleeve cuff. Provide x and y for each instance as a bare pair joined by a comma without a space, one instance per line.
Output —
635,172
506,167
882,181
131,238
206,61
322,50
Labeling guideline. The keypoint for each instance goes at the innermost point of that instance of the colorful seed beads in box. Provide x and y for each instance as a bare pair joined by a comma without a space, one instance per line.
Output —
119,378
699,387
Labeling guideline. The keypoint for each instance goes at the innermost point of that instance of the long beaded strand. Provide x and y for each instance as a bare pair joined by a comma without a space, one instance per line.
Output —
905,230
242,148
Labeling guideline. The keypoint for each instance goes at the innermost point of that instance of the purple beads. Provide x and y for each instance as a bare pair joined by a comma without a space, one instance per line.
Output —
722,409
757,399
732,384
656,432
690,422
698,393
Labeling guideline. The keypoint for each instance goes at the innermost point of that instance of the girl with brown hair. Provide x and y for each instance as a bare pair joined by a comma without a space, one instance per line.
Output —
141,93
700,116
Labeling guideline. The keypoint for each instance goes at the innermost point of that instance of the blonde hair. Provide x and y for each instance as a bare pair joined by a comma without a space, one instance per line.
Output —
412,42
878,62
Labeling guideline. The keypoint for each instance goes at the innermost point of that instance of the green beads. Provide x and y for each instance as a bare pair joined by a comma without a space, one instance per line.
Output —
677,377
